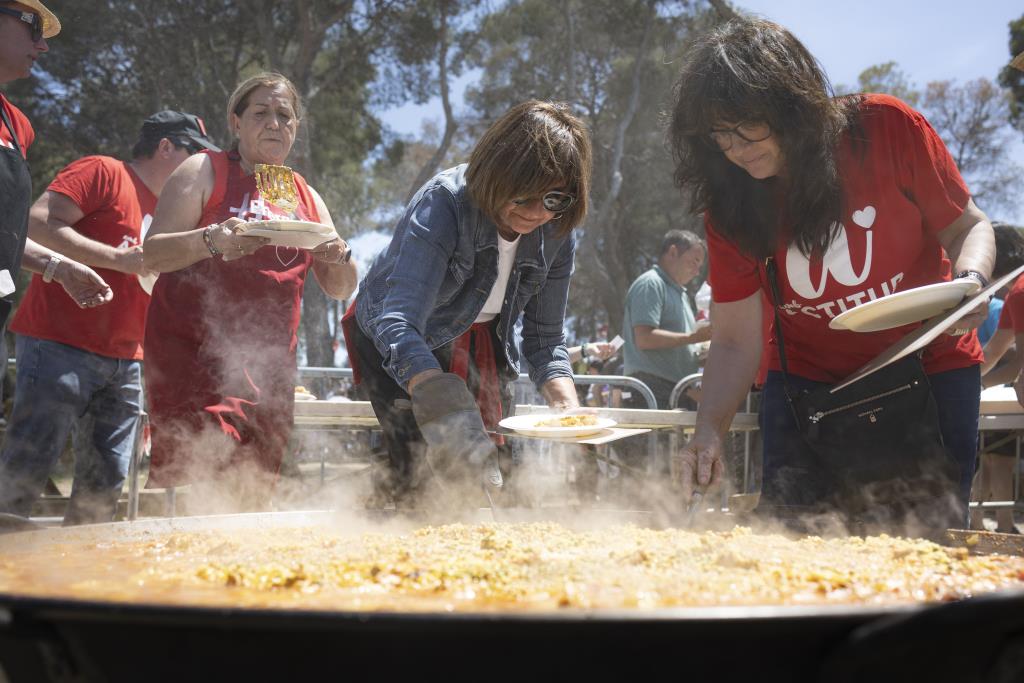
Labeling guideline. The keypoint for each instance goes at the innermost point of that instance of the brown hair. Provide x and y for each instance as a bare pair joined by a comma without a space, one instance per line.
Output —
533,147
239,100
752,70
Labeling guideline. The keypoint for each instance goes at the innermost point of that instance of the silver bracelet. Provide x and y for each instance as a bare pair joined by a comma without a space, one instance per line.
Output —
208,239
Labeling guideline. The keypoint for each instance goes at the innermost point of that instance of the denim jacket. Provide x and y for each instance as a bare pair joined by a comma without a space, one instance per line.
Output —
431,282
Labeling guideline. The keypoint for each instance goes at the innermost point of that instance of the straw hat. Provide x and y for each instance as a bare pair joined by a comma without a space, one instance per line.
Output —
51,24
1018,62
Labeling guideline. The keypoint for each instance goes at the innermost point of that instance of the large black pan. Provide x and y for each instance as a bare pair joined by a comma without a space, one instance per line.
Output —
67,640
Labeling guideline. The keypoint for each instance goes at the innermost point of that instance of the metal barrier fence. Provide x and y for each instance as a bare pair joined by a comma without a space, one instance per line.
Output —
691,381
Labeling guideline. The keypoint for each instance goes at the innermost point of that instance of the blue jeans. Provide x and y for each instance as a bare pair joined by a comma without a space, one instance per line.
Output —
957,396
57,388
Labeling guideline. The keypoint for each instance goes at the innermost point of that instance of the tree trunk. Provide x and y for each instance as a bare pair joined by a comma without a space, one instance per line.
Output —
597,227
450,124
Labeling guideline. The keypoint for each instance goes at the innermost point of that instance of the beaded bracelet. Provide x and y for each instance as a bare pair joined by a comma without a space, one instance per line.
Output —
208,239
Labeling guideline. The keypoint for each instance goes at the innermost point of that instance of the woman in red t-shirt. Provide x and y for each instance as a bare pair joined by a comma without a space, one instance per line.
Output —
854,198
221,331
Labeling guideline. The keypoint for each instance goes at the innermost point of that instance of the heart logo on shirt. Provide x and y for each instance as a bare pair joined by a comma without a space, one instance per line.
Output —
286,250
865,218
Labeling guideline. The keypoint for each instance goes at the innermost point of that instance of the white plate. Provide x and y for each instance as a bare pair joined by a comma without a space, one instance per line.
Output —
283,238
527,424
290,233
304,397
901,308
286,225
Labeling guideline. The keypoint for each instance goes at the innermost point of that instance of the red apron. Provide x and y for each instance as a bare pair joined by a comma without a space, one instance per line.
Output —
220,346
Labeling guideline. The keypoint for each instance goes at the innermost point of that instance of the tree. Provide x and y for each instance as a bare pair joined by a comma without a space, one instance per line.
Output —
1013,77
429,42
613,62
888,78
972,120
189,55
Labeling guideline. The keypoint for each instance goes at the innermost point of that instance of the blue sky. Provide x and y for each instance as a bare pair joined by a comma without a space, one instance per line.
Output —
929,39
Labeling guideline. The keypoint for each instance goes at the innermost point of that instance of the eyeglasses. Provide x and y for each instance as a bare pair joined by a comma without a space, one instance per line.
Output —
553,201
748,132
34,21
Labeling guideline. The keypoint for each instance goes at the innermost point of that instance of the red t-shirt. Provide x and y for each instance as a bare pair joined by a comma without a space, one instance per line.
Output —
22,127
118,208
901,189
1012,315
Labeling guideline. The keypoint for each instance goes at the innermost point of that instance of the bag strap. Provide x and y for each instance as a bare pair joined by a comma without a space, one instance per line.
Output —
7,122
771,271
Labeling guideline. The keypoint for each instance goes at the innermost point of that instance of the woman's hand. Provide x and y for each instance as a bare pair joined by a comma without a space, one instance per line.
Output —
231,243
83,284
972,320
698,464
333,252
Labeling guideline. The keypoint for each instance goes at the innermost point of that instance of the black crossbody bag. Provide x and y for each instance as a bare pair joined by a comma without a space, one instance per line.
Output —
879,438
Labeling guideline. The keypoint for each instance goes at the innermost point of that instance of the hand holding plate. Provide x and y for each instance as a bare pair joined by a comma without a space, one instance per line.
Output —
333,252
231,243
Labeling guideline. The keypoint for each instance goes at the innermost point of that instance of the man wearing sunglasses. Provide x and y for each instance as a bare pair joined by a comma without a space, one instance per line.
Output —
24,30
96,211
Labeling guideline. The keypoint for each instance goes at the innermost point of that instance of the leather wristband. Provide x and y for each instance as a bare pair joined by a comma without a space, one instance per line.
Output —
51,267
208,239
974,275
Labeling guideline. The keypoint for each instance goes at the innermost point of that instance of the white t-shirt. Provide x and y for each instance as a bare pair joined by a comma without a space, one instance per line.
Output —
506,257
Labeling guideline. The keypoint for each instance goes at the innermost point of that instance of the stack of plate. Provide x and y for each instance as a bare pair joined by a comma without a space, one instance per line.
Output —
290,233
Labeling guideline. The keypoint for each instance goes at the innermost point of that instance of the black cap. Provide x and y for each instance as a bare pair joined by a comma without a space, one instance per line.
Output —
178,127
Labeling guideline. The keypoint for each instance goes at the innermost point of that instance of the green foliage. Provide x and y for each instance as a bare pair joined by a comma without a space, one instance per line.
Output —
586,53
1013,78
888,78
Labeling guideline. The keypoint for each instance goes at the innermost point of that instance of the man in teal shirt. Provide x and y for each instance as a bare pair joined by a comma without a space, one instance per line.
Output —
659,326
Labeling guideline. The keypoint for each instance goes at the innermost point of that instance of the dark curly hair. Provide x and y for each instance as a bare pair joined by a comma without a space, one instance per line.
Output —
752,70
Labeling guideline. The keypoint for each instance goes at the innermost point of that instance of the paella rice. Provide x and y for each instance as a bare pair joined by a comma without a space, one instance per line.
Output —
537,566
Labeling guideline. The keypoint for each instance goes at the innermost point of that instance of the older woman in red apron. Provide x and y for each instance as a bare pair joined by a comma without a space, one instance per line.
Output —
221,331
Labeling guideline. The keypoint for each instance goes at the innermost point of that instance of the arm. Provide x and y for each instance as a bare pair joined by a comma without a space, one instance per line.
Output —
998,345
81,282
560,393
175,240
649,338
544,322
1005,372
337,279
970,243
50,222
599,350
732,364
426,244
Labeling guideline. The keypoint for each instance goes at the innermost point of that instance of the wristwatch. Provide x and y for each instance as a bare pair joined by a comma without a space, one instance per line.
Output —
51,268
974,275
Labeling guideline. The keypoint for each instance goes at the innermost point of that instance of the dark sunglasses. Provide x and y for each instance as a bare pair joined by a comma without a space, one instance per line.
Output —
34,21
553,201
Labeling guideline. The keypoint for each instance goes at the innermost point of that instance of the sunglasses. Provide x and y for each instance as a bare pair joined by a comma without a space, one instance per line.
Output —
748,132
553,201
34,21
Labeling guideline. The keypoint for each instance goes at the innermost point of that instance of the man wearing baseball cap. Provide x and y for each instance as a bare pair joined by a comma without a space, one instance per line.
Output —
72,362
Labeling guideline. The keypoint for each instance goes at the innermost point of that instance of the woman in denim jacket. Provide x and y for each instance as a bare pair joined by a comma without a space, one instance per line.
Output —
431,332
